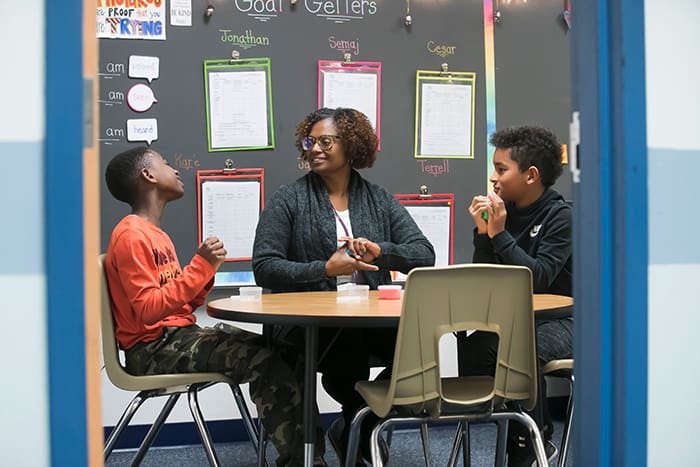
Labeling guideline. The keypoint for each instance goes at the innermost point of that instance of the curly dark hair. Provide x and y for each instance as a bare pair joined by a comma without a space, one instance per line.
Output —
532,146
354,129
123,171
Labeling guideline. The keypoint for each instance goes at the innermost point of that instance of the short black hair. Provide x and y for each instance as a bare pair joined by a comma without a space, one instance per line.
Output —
532,146
123,171
354,129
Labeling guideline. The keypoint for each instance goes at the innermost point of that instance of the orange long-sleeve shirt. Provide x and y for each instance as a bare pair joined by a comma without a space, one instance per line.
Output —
149,289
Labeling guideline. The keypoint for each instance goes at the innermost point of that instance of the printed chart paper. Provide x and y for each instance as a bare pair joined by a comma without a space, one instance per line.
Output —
230,211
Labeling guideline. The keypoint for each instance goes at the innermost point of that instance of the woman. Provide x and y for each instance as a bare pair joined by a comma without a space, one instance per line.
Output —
332,226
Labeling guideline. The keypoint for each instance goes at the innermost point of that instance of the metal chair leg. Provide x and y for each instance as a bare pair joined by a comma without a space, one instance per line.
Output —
466,445
247,419
456,445
501,443
377,460
257,436
426,443
262,446
155,429
389,435
248,424
201,425
124,420
535,435
461,439
354,437
565,437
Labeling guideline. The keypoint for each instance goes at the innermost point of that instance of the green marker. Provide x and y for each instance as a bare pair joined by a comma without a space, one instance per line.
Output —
485,215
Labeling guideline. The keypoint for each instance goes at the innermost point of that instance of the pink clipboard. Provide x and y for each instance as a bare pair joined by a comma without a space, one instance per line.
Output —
347,67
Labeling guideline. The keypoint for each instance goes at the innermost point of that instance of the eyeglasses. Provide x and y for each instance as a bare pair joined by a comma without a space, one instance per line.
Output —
325,142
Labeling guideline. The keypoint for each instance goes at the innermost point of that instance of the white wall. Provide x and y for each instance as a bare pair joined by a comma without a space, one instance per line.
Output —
24,424
673,130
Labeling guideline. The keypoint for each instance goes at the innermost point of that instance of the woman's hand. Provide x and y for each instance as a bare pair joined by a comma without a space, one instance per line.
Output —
362,249
342,264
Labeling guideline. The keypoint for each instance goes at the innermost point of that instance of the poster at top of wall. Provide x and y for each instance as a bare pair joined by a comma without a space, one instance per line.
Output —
124,19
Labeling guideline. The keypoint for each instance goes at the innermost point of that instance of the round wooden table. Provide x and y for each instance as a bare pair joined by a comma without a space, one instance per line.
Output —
312,310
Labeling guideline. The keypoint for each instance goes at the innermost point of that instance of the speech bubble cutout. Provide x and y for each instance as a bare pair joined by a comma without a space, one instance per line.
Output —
144,67
140,98
142,129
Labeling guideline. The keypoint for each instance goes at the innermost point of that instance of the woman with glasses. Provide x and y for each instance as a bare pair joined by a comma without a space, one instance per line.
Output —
329,227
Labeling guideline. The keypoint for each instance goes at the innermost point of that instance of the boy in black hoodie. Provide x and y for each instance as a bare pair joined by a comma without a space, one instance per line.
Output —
524,222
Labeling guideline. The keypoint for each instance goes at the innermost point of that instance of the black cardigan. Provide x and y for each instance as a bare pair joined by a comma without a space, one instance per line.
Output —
296,235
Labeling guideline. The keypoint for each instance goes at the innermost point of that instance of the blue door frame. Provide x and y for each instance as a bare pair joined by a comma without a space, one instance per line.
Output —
610,234
63,185
610,229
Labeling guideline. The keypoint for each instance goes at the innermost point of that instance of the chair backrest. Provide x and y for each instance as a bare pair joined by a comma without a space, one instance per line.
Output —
440,300
110,350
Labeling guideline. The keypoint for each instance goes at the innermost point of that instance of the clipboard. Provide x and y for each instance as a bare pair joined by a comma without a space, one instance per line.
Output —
238,98
229,202
335,78
445,107
431,211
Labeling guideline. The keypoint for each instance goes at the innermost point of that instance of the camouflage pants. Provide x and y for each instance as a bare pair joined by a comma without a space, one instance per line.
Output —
244,357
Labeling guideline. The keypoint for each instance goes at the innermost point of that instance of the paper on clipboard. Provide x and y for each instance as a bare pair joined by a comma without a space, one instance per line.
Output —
434,222
230,211
354,90
446,114
238,109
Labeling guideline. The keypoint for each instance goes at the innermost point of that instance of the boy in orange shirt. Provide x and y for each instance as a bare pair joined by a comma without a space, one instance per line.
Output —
154,300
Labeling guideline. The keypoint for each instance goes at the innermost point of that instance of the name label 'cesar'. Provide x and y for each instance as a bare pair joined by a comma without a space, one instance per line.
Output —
441,50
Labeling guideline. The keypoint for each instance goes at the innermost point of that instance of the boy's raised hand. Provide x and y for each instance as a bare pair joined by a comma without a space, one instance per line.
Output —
480,205
497,215
212,249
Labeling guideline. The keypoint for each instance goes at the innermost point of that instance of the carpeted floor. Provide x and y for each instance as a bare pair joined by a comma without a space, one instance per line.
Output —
406,450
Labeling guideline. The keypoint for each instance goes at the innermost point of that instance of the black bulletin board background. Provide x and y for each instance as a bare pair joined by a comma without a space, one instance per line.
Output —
533,71
297,40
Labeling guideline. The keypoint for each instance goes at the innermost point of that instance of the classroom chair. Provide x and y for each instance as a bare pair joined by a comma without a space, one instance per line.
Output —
150,386
563,369
441,300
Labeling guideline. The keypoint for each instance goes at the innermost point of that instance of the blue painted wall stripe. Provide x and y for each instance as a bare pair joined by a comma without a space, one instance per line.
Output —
64,234
668,209
23,210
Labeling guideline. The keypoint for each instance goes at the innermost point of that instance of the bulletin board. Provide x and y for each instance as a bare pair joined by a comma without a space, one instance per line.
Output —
170,101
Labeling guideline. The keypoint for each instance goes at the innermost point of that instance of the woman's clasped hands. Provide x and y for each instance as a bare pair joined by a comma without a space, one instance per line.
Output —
355,254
